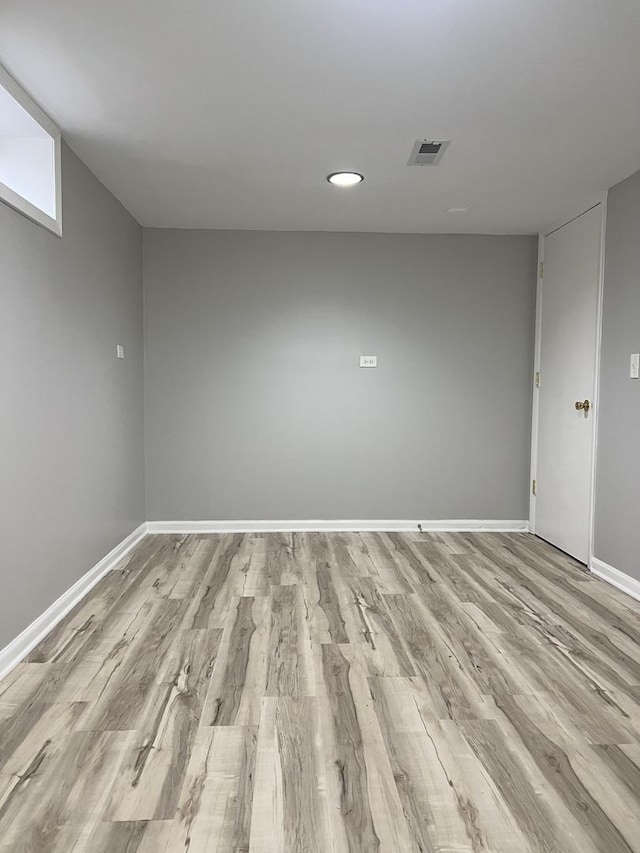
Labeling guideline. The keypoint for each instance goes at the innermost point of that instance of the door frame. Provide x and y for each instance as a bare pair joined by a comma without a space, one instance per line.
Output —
535,409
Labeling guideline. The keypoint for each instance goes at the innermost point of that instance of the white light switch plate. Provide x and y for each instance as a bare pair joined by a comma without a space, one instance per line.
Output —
120,351
368,361
634,366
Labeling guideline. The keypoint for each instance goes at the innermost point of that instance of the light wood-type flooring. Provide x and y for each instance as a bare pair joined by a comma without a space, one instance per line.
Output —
324,693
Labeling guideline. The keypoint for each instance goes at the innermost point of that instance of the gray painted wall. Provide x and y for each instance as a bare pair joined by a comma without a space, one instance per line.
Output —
256,407
71,430
617,517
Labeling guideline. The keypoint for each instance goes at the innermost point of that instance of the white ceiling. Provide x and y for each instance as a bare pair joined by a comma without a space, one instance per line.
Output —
230,113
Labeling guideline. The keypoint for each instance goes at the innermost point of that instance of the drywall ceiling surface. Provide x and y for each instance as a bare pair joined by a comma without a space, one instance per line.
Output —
230,114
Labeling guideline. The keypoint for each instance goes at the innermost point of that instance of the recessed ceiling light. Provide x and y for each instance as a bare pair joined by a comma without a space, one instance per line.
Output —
345,179
457,210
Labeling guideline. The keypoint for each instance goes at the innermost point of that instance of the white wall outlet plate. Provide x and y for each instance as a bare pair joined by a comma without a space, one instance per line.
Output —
634,366
120,351
368,361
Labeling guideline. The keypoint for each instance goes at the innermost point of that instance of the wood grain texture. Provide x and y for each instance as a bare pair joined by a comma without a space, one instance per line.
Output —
330,693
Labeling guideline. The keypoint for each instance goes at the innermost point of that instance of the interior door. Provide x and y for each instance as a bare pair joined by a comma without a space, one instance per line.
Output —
570,293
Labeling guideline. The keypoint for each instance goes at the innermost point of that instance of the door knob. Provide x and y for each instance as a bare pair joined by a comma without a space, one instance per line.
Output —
583,405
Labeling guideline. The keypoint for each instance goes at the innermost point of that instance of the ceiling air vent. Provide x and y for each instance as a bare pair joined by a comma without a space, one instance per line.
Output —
427,152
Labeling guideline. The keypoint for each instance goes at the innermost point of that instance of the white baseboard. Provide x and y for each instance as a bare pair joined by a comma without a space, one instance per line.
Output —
19,648
615,577
328,526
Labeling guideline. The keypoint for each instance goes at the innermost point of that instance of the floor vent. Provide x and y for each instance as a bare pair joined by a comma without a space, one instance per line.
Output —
427,152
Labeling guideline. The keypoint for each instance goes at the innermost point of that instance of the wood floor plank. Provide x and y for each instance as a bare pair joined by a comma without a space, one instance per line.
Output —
20,686
624,761
330,606
588,639
192,567
451,693
201,612
68,636
152,774
350,773
240,671
330,693
282,565
373,627
252,569
288,812
214,813
386,573
364,804
25,756
406,557
289,658
556,767
143,836
66,798
447,796
134,684
538,811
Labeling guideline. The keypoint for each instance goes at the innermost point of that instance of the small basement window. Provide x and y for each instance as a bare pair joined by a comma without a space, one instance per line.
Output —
29,157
